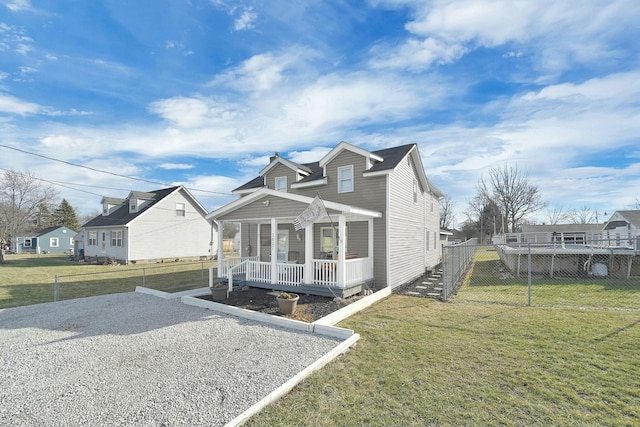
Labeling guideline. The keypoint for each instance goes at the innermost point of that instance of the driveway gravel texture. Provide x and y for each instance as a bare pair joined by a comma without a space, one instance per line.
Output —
135,359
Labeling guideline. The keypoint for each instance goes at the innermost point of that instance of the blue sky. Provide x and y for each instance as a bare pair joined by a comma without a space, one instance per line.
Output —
202,92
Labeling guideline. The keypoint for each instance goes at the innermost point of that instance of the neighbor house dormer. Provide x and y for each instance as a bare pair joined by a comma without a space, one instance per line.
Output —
110,204
138,200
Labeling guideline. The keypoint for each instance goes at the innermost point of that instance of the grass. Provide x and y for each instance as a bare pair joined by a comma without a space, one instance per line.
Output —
485,283
421,362
29,279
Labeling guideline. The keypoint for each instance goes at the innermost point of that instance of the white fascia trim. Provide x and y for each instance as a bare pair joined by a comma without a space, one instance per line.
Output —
293,166
315,183
246,191
346,146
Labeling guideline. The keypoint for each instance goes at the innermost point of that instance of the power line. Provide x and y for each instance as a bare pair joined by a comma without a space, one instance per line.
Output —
107,172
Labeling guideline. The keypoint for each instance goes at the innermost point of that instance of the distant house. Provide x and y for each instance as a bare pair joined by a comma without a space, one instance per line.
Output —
53,240
369,219
560,233
624,226
163,224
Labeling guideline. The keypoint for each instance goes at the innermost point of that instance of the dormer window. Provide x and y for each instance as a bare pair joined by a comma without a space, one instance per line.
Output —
133,206
105,209
281,183
345,179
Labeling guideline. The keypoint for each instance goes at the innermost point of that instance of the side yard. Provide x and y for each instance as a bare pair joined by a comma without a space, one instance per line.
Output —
421,362
29,279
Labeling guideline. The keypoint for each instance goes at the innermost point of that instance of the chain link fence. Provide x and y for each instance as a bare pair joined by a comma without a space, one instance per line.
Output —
173,277
551,274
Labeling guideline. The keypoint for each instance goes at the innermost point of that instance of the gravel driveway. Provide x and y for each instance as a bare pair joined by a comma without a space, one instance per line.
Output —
134,359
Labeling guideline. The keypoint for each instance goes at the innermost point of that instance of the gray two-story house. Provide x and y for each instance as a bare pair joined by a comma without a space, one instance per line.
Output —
356,219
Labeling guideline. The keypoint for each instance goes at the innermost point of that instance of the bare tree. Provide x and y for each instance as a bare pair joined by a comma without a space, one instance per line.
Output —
447,215
583,216
21,197
513,193
557,215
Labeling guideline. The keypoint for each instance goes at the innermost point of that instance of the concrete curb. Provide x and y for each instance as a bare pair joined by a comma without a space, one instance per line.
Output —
291,383
351,309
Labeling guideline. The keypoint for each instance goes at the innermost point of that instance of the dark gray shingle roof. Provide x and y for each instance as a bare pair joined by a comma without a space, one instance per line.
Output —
121,215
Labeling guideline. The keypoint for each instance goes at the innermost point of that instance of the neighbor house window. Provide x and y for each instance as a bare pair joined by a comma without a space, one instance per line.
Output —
281,183
133,206
180,209
54,242
345,179
93,238
415,191
116,238
71,242
27,243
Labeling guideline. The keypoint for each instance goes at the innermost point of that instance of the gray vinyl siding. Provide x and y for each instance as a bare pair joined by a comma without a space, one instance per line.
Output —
257,210
278,171
406,226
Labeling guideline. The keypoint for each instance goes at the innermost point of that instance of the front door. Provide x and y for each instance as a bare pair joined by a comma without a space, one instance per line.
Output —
283,245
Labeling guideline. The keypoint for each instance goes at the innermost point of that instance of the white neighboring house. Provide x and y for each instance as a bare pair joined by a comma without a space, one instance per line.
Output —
163,224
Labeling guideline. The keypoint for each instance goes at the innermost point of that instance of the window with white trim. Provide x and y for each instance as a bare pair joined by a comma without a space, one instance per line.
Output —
92,240
180,209
27,243
345,179
71,242
133,205
116,238
54,242
328,241
281,183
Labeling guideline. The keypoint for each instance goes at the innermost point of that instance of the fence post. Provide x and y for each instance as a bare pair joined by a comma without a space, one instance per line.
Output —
56,287
144,281
444,273
529,276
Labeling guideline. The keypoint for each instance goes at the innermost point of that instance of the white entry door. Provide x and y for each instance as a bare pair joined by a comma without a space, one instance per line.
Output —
283,245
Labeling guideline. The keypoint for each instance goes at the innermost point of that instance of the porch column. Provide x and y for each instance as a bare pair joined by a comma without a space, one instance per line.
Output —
370,244
258,241
220,239
341,272
274,250
308,254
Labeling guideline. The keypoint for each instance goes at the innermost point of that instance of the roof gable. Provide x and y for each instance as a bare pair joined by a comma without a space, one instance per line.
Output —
277,160
346,146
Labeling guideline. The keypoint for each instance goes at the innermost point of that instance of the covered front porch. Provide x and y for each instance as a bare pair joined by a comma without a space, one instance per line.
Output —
332,256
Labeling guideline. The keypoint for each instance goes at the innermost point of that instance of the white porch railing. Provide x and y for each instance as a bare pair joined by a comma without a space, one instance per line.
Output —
259,271
324,272
227,263
357,271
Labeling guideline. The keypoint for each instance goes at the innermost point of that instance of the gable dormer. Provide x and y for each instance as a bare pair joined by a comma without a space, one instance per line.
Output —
370,158
138,200
280,173
110,204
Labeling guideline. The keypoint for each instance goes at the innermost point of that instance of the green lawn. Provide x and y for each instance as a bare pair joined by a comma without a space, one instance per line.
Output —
485,283
29,279
420,362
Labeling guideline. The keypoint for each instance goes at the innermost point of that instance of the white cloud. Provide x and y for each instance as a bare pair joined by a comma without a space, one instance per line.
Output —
417,54
175,166
191,112
10,104
258,73
247,20
19,5
561,33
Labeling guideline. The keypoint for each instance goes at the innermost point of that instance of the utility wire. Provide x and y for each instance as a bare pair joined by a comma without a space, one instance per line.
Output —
106,172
